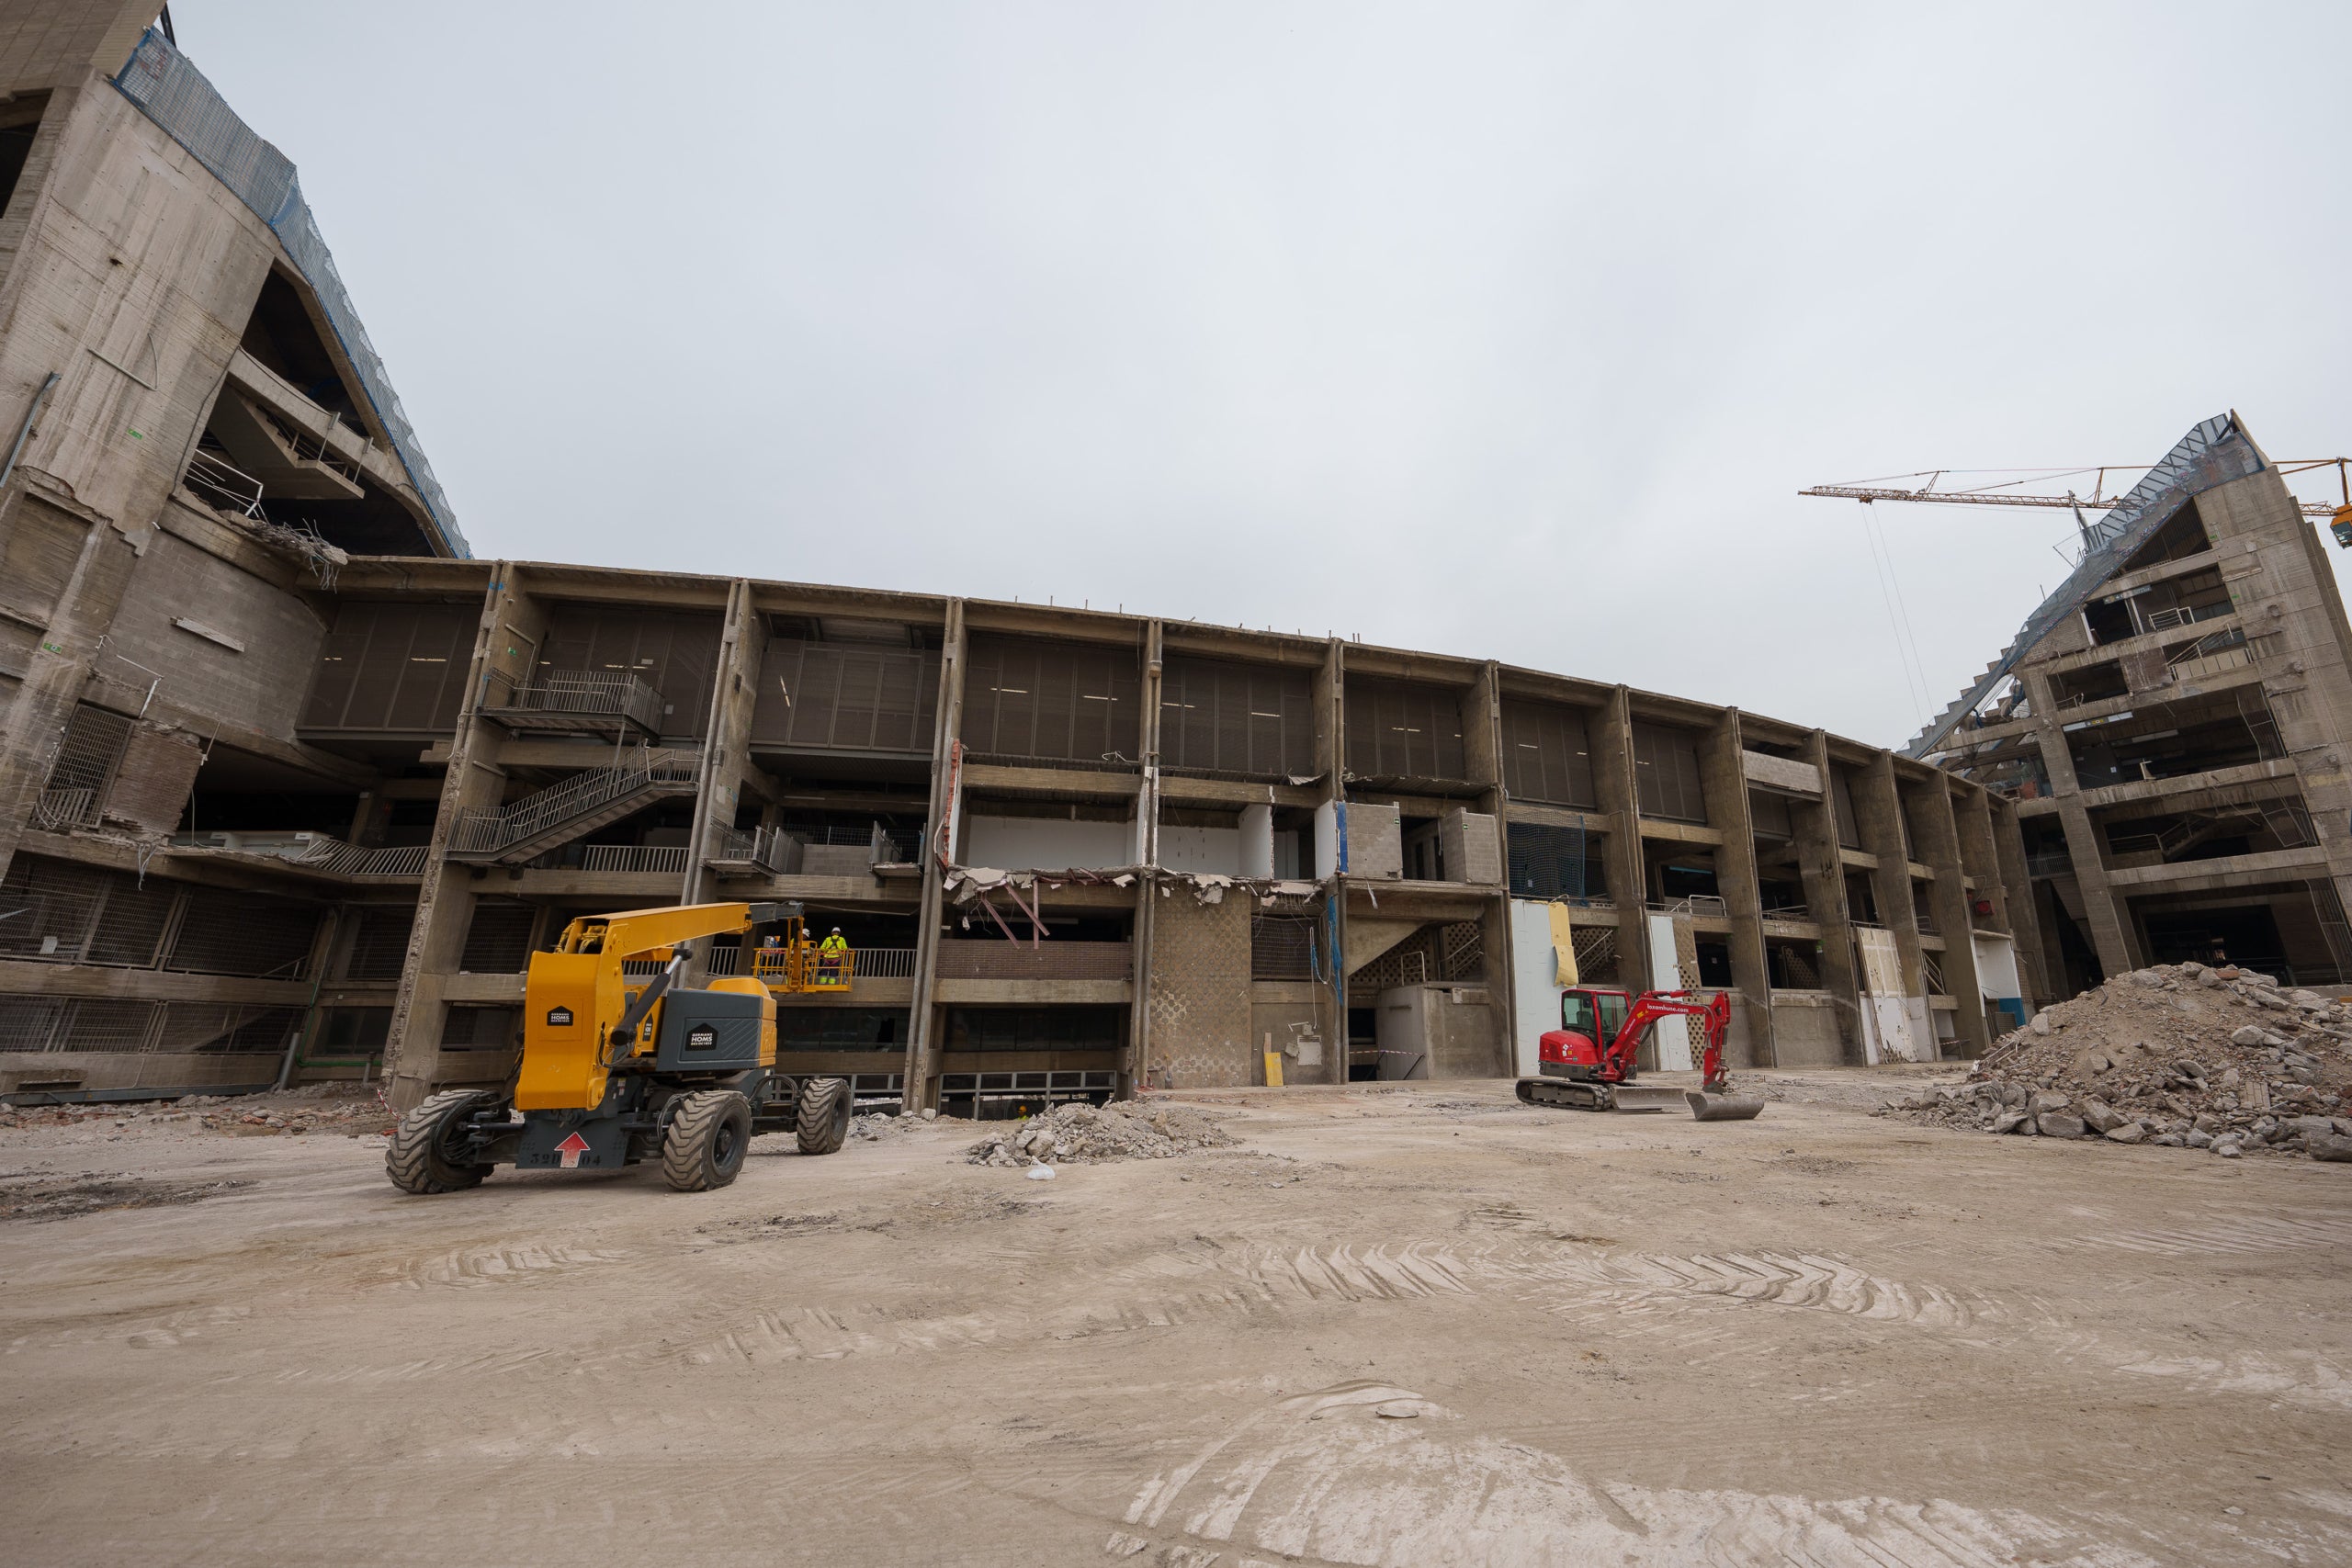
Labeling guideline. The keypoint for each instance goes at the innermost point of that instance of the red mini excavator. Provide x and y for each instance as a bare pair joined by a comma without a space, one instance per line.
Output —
1589,1062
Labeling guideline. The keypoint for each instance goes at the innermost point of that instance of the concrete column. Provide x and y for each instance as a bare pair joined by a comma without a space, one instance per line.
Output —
2016,905
725,745
1722,774
1939,850
1611,732
1878,813
2108,935
60,664
922,1070
444,905
1482,748
1825,895
1138,1055
1331,757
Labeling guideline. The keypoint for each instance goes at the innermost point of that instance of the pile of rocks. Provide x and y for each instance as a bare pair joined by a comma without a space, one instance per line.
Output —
2180,1055
1083,1135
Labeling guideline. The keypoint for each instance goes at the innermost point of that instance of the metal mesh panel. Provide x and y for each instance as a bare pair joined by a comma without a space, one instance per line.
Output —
243,934
131,920
1665,772
1546,753
26,1023
674,651
848,697
1596,948
93,746
175,95
1030,698
94,1025
498,938
380,942
1237,718
51,905
1282,947
1397,730
398,667
1552,861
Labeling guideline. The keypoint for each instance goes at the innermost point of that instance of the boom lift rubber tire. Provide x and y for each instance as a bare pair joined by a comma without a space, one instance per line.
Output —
823,1120
707,1140
417,1160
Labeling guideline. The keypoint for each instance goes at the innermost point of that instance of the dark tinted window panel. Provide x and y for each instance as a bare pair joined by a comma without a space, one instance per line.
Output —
1026,697
1550,861
846,697
480,1028
1665,772
674,651
243,934
352,1032
398,668
1404,729
841,1029
498,938
1547,754
380,942
1036,1029
1237,718
1768,815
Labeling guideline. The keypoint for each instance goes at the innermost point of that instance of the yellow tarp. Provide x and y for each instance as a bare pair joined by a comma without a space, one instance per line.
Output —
1563,945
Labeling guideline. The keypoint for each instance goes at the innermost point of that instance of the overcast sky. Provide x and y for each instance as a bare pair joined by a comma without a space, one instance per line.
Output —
1499,331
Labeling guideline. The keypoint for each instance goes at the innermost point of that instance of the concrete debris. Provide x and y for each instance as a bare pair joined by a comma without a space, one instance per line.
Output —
345,1108
2175,1056
1083,1135
876,1127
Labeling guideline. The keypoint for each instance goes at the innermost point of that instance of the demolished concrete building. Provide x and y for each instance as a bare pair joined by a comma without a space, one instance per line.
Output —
2173,726
292,787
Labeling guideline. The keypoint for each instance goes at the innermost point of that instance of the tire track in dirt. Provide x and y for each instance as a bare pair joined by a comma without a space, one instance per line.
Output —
2251,1233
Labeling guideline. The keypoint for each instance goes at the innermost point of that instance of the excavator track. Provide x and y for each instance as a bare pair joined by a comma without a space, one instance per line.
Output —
1566,1094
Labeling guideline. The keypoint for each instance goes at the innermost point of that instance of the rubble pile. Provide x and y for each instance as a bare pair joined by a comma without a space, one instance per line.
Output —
2180,1055
344,1107
1083,1135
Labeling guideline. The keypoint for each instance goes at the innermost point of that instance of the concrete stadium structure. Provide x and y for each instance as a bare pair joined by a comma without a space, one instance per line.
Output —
292,786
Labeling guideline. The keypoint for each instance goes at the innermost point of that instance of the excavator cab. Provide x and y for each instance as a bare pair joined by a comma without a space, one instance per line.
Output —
1589,1018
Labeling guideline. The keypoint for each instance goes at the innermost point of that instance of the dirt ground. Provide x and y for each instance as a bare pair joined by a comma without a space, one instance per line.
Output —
1402,1326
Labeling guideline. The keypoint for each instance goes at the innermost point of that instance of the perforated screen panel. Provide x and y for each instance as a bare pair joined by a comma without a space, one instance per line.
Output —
1404,729
674,651
398,668
1237,718
846,697
1028,697
1665,772
1547,754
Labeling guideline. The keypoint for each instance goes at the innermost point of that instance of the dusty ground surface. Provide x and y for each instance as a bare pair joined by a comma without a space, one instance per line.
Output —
1413,1327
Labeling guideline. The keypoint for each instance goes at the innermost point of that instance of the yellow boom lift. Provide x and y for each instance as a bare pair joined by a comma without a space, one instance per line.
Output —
618,1068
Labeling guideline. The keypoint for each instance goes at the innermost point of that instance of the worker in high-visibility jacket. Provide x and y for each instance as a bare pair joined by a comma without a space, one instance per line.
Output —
831,953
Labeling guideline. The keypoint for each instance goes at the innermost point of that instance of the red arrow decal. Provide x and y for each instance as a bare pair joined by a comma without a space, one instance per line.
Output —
571,1148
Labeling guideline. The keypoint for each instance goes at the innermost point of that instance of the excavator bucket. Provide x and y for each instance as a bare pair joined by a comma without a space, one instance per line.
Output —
1724,1106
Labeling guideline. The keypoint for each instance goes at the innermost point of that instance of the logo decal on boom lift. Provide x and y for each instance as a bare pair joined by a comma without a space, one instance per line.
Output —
559,1018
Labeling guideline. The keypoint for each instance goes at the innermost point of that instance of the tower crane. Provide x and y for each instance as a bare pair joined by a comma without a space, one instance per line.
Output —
2002,492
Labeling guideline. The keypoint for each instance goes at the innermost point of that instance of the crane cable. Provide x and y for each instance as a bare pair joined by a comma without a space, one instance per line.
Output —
1898,616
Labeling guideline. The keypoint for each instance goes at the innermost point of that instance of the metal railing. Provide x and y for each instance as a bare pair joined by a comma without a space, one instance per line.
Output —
488,832
669,858
761,848
565,694
2050,862
57,811
218,482
806,969
2188,616
317,851
1699,906
1789,912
